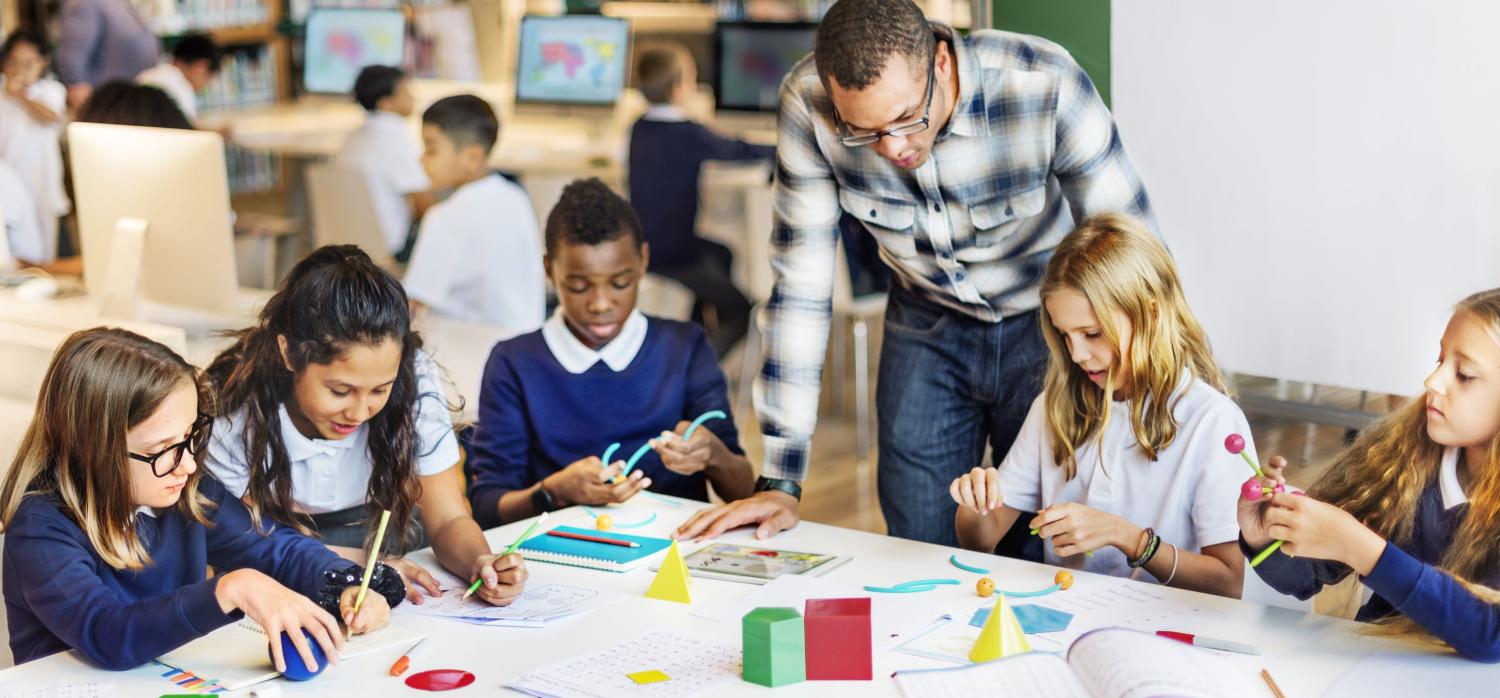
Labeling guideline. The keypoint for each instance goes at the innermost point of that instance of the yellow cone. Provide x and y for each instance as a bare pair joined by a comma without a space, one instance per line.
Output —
671,583
1002,635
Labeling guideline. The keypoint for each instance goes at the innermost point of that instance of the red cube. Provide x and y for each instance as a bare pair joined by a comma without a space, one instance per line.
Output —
838,639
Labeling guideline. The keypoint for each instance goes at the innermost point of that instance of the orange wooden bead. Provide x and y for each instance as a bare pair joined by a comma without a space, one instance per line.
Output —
604,522
985,587
1063,579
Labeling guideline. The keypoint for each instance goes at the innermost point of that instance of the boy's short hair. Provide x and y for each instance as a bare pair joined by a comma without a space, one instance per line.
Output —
376,82
25,36
589,213
465,119
657,73
198,47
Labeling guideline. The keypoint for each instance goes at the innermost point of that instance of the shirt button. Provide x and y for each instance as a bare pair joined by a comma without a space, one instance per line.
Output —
1009,211
937,208
873,213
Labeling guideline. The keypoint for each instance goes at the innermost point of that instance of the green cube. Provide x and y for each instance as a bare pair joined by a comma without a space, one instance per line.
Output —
774,647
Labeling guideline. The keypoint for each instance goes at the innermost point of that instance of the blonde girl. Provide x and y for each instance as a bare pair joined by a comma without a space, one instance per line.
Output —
1122,454
1413,507
110,526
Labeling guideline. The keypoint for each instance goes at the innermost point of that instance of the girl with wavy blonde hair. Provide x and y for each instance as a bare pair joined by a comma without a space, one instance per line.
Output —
1413,507
1122,454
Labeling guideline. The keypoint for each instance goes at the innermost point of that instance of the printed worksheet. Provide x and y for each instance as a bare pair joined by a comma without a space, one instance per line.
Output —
691,664
535,608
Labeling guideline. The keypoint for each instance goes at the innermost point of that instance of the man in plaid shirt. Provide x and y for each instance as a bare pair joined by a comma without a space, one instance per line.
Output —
967,159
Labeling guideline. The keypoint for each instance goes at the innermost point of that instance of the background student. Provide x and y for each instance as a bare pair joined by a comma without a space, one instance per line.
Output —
599,372
478,255
667,152
110,526
384,151
331,412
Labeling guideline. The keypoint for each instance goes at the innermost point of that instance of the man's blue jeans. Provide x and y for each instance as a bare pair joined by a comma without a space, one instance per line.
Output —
949,384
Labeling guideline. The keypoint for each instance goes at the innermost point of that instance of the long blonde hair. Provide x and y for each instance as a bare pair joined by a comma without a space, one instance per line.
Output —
101,383
1380,480
1115,262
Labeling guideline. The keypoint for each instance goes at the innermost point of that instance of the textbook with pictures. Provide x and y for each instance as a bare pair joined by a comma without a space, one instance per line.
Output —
739,563
1104,663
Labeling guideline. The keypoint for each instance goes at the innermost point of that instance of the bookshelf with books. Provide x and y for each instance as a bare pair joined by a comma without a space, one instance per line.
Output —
253,72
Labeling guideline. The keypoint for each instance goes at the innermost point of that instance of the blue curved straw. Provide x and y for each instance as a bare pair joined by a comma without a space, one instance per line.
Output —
967,568
711,414
1031,594
610,452
664,500
630,464
912,587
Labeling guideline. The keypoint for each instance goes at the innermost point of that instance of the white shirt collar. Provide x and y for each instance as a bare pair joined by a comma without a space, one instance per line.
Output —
1448,485
148,511
665,112
576,358
300,448
384,119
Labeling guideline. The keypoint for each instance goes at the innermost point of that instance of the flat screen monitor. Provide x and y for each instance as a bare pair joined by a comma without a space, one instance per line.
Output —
751,58
572,60
175,180
340,42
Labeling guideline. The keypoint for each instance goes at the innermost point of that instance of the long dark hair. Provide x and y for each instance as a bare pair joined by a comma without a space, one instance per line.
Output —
334,299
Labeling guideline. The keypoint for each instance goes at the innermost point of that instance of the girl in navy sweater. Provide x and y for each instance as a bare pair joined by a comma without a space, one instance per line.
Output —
1413,507
110,526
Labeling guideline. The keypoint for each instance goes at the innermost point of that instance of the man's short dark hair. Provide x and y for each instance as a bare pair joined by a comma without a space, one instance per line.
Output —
657,73
191,48
857,37
376,82
25,36
466,120
589,213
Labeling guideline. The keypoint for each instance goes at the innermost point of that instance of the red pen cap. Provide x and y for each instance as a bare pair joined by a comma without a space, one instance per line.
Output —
1180,637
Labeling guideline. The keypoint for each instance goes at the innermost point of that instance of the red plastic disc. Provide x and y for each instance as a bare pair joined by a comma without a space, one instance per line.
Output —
440,679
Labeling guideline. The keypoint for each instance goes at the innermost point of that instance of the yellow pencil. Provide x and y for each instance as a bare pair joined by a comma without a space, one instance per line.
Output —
370,561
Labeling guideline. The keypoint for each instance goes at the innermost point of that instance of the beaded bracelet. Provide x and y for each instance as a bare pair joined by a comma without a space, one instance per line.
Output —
1153,542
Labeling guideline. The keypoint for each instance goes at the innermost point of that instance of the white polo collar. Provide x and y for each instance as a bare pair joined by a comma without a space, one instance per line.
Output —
666,112
1448,485
300,448
576,357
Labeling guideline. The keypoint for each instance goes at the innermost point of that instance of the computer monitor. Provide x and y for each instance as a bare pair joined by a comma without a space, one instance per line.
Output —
573,60
340,42
751,58
175,181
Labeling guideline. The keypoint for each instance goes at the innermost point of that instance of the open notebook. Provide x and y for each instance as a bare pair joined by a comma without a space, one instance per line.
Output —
597,556
234,656
1105,663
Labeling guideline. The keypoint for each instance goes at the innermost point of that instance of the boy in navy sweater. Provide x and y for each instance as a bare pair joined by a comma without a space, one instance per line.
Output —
599,372
667,151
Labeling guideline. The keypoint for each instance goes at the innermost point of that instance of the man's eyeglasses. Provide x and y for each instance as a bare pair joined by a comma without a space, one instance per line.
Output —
194,443
908,129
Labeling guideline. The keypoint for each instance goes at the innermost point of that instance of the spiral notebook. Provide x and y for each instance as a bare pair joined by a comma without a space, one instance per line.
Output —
597,556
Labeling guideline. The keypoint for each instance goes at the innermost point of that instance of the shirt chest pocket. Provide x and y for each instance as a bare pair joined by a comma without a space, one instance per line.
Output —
997,218
890,221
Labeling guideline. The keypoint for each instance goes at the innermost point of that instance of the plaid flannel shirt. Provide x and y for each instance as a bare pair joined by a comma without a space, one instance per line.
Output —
1029,149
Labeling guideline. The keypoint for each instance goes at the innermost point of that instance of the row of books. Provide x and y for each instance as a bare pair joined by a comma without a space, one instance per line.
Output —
247,78
178,16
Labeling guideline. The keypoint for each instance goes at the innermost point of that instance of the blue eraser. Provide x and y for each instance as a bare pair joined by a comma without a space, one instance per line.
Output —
296,669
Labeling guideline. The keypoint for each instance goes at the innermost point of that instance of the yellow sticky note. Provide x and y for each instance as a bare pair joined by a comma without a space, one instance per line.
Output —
644,677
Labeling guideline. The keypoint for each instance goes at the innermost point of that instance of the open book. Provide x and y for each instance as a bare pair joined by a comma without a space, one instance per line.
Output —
1105,663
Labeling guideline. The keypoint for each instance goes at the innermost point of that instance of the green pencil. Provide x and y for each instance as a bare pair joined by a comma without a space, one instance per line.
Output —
513,546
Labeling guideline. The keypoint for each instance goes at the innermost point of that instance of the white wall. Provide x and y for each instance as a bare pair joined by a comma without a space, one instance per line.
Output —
1327,172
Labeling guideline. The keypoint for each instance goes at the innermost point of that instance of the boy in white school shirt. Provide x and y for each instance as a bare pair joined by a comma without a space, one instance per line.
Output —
385,152
478,257
194,63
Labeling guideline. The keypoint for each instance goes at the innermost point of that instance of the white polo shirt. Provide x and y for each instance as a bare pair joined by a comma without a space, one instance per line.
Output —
1188,494
334,475
170,79
391,159
479,258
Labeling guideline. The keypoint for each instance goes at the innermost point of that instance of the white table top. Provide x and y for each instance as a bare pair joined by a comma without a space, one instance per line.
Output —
1305,653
